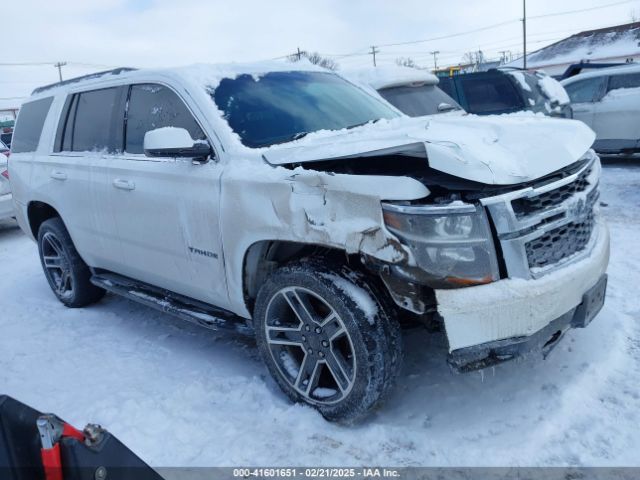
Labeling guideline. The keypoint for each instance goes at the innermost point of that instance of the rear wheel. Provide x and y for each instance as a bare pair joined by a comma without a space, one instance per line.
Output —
329,338
67,274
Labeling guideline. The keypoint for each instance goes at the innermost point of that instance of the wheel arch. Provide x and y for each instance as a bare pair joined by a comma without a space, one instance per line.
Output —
39,212
264,256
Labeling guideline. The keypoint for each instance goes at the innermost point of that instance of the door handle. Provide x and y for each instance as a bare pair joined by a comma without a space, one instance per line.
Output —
124,184
58,175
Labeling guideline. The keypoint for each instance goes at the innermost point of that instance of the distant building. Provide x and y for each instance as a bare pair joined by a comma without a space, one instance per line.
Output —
619,44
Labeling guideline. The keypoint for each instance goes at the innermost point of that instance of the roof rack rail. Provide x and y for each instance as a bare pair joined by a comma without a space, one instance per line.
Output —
91,76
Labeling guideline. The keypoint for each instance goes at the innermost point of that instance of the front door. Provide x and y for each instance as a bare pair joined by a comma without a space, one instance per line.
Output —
166,209
617,115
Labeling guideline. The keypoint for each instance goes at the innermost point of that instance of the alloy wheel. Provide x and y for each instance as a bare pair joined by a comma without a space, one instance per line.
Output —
310,345
56,265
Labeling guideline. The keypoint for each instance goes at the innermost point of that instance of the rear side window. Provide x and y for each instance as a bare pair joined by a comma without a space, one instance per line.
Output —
91,121
92,126
418,101
28,130
155,106
490,94
629,80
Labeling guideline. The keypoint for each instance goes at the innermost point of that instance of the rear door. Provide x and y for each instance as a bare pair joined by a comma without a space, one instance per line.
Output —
87,138
617,114
166,209
584,94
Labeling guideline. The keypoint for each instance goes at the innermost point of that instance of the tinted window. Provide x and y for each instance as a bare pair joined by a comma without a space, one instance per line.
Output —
281,106
155,106
26,135
486,94
446,85
93,125
418,101
585,91
630,80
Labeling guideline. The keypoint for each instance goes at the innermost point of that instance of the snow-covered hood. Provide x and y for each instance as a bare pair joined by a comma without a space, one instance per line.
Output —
495,150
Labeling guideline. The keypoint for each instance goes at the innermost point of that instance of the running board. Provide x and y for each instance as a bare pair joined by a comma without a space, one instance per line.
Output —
175,304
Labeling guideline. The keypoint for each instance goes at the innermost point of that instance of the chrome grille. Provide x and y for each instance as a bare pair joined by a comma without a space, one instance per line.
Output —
559,243
540,228
526,206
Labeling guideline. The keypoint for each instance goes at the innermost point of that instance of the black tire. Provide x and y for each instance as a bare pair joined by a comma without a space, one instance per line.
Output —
70,281
368,319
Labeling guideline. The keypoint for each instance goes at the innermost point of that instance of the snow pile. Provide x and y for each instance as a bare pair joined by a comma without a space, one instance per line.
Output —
180,395
553,89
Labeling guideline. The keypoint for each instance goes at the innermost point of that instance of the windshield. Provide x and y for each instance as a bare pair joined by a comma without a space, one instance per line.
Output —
420,100
282,106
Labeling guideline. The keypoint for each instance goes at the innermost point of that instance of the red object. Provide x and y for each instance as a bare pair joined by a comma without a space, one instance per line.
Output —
52,463
69,431
51,460
5,174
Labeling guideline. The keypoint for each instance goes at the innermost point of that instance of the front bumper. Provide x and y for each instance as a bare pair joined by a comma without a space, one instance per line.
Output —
492,353
515,309
6,206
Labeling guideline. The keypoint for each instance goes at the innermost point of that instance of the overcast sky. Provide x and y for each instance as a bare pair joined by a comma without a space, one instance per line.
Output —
140,33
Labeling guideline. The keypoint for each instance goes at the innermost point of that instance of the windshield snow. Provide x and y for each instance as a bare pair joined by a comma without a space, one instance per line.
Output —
279,107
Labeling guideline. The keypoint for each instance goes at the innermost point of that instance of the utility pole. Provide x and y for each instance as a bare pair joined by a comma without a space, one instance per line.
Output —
374,50
299,54
524,33
435,60
59,66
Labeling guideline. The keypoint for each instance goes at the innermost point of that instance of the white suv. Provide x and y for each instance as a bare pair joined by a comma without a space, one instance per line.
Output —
608,101
284,200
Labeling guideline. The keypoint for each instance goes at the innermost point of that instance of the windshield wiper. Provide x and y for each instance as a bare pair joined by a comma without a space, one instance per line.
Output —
363,123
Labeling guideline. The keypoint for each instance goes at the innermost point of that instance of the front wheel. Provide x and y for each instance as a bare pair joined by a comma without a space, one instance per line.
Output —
328,337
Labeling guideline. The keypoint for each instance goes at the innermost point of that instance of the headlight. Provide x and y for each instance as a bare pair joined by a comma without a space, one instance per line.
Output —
452,243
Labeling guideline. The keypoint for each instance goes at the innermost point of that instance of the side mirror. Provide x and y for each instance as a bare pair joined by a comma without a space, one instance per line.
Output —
177,143
445,107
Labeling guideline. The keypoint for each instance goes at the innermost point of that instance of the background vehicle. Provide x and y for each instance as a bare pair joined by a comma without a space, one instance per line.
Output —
4,149
608,101
414,92
5,136
6,201
288,202
507,91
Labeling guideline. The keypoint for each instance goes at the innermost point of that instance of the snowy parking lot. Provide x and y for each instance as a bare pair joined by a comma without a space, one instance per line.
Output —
179,395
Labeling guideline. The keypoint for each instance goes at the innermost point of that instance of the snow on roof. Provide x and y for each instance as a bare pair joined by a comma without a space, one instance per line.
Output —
205,74
590,45
385,77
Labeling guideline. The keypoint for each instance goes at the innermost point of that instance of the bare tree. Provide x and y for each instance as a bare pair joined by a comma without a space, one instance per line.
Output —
406,62
315,58
633,15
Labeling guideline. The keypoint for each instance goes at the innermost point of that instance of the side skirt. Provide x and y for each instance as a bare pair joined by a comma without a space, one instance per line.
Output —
186,308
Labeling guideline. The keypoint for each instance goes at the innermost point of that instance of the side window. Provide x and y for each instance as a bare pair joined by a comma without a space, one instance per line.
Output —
485,94
585,91
155,106
93,125
26,135
629,80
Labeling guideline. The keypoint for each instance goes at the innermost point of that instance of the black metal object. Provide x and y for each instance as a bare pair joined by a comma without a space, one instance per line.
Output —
542,342
19,441
20,455
576,68
91,76
186,308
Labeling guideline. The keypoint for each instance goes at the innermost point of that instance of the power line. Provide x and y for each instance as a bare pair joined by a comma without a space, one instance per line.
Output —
588,9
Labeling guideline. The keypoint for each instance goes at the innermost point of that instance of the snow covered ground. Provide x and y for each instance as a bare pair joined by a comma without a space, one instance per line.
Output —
183,396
